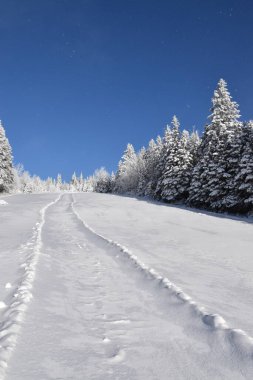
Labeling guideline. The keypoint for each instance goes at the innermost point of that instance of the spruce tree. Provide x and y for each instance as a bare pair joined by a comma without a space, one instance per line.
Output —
178,167
244,179
213,175
153,157
142,171
126,179
168,185
193,146
166,147
6,166
59,182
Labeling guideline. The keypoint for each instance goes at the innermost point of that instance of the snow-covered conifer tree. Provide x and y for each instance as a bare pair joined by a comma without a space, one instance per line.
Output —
165,148
126,179
102,181
59,182
244,179
153,166
81,183
74,182
193,146
178,166
219,154
142,171
6,167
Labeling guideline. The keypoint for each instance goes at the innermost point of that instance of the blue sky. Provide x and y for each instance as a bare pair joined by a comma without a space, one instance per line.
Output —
79,79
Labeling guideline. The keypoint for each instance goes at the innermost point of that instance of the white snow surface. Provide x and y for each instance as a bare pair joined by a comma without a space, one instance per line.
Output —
96,286
3,202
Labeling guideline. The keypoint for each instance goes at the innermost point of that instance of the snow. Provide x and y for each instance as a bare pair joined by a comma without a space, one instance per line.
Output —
3,202
99,286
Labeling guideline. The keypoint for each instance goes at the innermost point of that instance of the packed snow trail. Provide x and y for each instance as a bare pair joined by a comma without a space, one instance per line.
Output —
94,315
13,310
18,221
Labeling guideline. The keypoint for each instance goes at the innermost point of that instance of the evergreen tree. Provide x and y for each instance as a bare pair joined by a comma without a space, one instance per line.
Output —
126,179
167,143
81,183
102,181
74,182
142,171
178,165
59,182
150,163
244,179
193,146
154,158
169,184
6,167
213,174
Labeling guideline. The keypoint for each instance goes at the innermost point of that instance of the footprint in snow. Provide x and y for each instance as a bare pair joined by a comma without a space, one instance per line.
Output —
115,354
121,322
2,305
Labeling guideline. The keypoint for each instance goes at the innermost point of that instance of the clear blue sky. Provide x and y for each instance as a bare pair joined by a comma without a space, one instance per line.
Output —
79,79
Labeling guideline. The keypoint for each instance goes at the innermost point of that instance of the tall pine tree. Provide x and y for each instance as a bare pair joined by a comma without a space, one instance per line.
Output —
244,179
126,179
213,175
6,167
167,145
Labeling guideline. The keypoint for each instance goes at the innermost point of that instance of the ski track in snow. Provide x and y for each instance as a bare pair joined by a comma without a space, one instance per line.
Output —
13,311
13,308
240,341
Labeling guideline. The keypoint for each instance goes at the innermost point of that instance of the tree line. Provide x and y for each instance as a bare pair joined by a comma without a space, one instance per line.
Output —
214,172
13,178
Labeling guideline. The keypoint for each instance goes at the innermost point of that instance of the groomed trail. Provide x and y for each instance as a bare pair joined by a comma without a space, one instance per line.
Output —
85,307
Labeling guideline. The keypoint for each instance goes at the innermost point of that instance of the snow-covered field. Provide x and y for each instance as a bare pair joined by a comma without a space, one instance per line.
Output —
96,286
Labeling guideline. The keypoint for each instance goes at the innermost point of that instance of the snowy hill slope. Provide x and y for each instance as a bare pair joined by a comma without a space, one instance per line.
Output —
99,312
209,256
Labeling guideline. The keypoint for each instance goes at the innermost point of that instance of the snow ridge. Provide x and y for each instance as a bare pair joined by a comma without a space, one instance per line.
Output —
237,338
13,313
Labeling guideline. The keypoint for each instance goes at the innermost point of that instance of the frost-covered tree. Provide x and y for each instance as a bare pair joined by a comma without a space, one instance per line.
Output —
6,167
193,146
102,181
244,179
153,156
74,182
166,146
178,165
59,182
168,184
50,185
126,179
141,171
81,181
212,180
